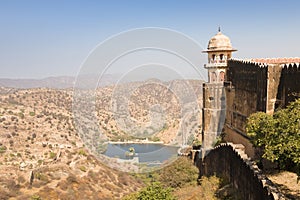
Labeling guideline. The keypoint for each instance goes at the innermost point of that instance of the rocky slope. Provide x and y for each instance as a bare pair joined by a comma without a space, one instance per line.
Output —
41,153
43,156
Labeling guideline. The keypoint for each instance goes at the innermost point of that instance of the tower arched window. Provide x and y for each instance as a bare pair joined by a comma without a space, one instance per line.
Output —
222,57
222,76
213,77
213,57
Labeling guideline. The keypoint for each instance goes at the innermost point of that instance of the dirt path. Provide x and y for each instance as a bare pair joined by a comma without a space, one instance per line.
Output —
287,183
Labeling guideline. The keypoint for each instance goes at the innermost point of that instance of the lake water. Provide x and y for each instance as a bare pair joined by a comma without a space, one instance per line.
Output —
147,153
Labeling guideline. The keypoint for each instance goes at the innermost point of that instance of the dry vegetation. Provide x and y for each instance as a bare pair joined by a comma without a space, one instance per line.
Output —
144,101
42,155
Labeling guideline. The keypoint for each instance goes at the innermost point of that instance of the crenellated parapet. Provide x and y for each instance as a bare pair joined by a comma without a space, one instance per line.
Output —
247,62
230,161
257,85
265,62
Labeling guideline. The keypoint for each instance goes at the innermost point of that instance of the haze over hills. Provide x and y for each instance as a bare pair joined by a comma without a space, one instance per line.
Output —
57,82
50,82
63,82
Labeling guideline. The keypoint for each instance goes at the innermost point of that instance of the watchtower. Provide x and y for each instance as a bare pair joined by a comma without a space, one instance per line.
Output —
219,52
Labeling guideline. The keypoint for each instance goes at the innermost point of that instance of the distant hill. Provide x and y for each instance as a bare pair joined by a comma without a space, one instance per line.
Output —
59,82
64,82
41,146
50,82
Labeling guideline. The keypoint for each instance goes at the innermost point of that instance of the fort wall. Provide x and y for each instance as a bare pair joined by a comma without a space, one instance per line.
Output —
251,87
230,162
214,105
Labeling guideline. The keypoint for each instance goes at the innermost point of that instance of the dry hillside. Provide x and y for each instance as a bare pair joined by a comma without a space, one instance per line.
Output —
43,156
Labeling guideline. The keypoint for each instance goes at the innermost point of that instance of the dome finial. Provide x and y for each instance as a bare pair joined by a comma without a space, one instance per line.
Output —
219,29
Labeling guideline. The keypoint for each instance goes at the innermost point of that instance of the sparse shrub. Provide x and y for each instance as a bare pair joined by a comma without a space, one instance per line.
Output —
3,149
83,168
82,152
35,197
32,114
52,155
41,177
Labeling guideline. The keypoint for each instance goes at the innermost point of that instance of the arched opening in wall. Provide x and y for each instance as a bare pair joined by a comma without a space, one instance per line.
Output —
222,76
213,57
228,56
213,77
222,57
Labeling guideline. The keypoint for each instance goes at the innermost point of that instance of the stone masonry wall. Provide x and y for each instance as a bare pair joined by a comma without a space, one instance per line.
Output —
289,85
247,92
229,161
252,87
213,113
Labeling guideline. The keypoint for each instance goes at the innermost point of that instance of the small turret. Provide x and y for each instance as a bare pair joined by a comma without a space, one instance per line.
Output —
219,51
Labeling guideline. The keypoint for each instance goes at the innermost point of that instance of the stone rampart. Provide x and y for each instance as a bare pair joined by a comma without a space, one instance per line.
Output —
229,161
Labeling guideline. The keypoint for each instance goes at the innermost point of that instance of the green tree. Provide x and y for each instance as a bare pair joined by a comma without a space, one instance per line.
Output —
259,127
180,173
278,135
155,191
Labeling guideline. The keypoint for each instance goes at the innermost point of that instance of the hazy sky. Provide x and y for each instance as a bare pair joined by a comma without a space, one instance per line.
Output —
52,38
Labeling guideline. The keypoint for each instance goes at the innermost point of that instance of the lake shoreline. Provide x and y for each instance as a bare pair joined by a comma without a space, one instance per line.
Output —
135,142
141,142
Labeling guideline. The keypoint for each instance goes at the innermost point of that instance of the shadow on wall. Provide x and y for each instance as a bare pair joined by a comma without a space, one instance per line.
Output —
229,161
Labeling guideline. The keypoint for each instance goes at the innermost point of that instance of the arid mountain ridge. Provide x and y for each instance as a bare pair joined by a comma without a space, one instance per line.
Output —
64,82
57,82
42,153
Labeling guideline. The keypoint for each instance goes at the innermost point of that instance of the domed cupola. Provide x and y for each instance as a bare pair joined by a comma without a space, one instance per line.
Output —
219,50
219,42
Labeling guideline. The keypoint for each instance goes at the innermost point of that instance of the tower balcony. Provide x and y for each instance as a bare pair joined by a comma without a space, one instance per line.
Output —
216,65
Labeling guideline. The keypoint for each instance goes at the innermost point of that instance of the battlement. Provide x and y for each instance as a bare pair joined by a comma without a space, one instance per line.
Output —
265,62
229,161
